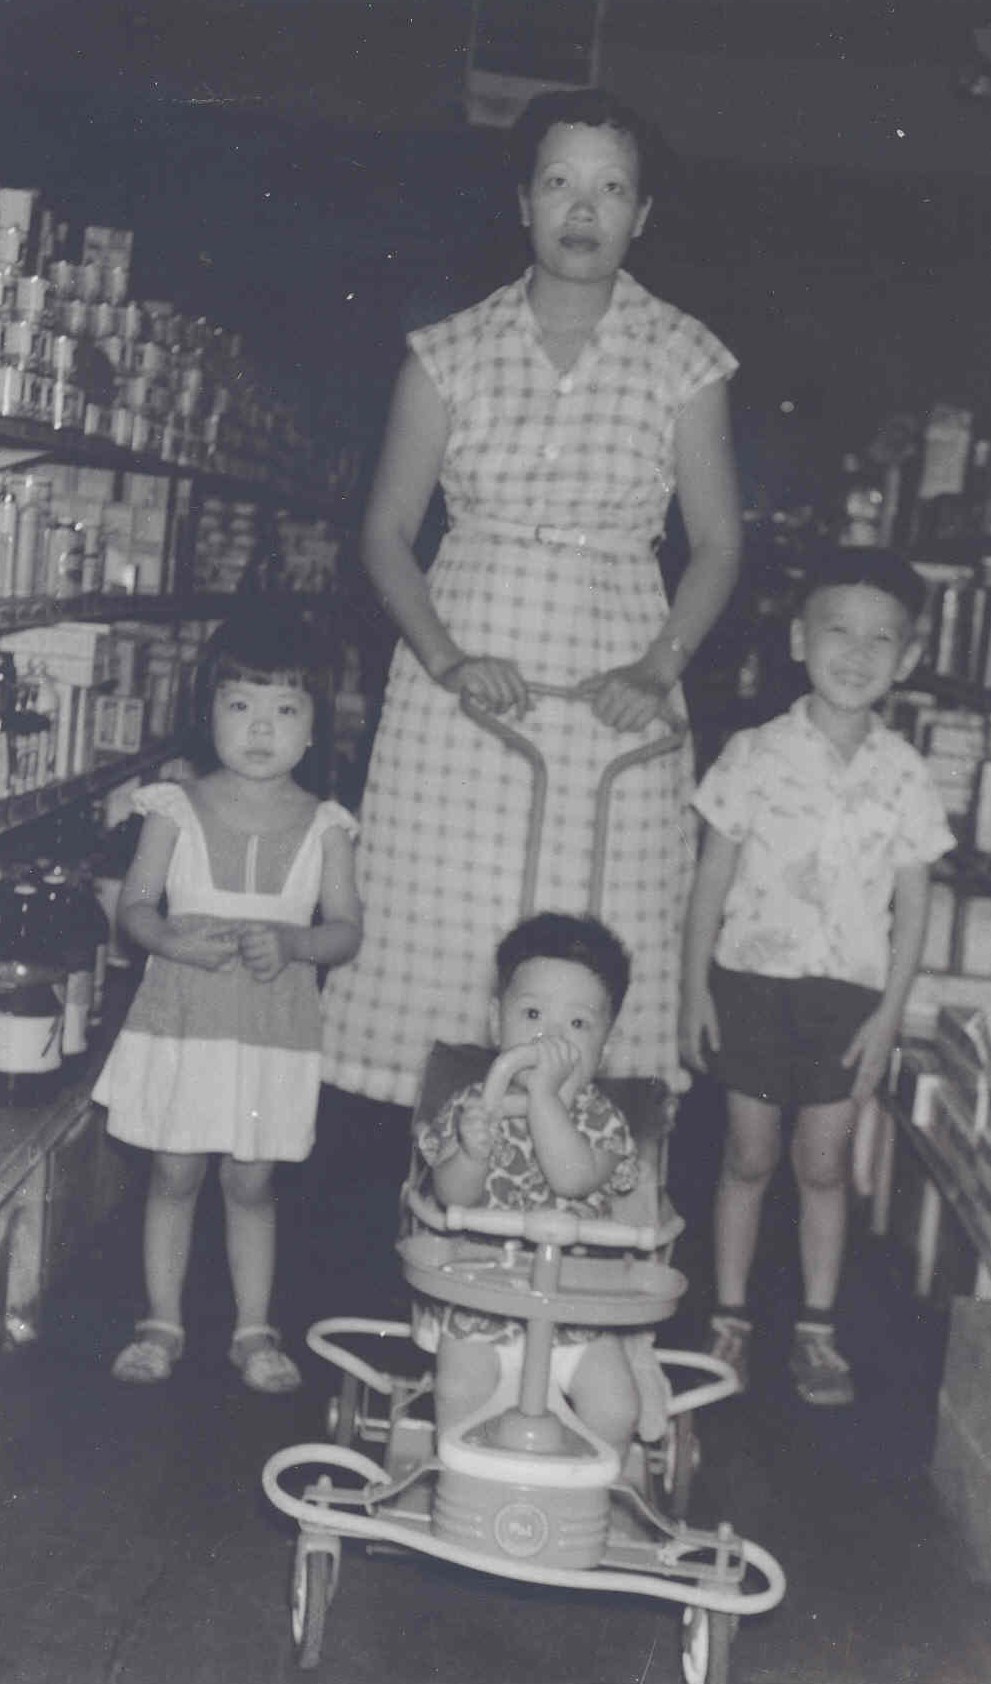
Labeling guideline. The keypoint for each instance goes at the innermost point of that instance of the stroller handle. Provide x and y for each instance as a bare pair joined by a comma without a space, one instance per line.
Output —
551,1227
667,743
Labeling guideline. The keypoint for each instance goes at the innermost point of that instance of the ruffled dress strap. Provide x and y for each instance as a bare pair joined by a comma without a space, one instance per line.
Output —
330,815
169,800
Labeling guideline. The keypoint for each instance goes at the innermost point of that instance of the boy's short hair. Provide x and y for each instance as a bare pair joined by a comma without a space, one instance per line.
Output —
883,570
580,941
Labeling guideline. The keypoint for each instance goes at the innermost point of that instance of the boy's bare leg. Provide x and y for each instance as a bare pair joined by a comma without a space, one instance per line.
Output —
467,1375
820,1154
753,1146
604,1393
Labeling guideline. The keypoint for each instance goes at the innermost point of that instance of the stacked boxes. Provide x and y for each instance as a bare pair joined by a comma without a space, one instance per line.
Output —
78,353
95,690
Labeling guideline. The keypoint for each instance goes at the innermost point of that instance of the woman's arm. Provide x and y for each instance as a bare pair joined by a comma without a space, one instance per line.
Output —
408,470
628,698
207,945
707,492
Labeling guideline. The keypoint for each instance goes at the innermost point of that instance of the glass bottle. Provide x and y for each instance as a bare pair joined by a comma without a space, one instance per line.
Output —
32,992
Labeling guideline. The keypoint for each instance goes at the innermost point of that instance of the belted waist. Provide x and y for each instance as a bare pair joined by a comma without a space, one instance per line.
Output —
606,541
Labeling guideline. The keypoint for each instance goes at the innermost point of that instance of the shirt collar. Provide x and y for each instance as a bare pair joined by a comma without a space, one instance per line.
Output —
810,734
628,316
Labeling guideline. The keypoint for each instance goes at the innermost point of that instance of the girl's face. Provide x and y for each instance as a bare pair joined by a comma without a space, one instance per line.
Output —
261,731
556,997
582,205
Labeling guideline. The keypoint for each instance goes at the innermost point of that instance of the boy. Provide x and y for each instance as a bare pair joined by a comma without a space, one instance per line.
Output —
555,1140
803,934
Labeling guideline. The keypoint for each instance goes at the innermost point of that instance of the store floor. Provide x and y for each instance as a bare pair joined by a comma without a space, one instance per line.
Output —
138,1547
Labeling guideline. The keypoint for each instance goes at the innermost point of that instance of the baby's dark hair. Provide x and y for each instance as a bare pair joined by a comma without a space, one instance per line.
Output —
883,570
581,941
266,641
596,108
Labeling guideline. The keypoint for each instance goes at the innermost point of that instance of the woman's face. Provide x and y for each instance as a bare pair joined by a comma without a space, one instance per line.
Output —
582,205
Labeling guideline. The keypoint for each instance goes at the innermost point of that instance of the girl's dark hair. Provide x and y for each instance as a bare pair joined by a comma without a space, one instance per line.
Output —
265,641
596,108
581,941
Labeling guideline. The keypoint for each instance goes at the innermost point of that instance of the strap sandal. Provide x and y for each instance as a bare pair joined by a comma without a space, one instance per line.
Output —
151,1357
261,1362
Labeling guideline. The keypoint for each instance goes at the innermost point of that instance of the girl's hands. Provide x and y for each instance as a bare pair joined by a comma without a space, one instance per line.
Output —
476,1131
490,681
266,949
211,944
627,698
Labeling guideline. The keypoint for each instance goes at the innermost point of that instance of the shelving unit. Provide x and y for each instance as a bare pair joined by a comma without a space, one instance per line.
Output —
57,1174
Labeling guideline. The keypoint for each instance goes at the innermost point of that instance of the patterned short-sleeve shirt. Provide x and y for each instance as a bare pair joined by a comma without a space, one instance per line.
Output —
515,1180
821,839
592,448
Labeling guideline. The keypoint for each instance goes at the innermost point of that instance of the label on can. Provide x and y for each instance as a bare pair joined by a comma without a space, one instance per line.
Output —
30,1045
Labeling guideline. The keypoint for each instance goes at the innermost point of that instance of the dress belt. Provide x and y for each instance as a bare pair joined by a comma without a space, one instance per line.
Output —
609,541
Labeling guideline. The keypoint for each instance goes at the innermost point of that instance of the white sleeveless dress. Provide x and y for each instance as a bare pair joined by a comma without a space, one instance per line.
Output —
216,1061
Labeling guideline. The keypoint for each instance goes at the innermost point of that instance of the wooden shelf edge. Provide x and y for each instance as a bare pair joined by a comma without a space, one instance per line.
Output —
22,809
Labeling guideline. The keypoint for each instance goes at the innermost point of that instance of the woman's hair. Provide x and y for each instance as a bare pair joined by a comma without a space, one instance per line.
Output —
596,108
580,941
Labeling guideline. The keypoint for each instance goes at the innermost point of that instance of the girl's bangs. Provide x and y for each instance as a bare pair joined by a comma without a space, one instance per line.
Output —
230,670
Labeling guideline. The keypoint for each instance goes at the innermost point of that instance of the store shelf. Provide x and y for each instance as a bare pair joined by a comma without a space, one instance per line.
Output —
22,809
19,613
37,443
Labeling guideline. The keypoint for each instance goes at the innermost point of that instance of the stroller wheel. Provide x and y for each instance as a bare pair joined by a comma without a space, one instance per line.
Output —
342,1412
673,1468
705,1645
314,1580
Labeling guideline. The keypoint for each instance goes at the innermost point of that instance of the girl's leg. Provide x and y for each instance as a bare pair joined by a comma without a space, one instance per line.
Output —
467,1375
249,1206
604,1393
173,1189
753,1145
820,1155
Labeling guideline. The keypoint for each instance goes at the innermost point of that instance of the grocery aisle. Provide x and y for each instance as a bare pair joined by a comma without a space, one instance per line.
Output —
138,1548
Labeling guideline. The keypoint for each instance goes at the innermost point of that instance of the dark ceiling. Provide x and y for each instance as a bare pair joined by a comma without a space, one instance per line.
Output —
288,169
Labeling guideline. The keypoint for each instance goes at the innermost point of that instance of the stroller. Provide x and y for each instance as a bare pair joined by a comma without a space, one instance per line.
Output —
522,1489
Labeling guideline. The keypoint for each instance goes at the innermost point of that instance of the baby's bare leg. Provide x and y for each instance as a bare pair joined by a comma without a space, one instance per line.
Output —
604,1393
467,1375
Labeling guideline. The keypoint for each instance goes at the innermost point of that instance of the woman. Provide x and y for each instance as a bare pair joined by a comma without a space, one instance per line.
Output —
558,415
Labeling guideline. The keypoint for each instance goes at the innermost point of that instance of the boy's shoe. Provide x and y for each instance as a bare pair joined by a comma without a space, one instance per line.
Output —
729,1340
820,1373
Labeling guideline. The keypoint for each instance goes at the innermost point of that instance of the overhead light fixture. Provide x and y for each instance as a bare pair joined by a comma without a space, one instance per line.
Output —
518,48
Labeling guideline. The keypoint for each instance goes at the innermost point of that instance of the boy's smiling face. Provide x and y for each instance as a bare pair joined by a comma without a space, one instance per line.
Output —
856,642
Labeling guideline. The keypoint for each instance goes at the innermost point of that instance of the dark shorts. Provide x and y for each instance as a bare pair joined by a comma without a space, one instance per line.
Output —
782,1038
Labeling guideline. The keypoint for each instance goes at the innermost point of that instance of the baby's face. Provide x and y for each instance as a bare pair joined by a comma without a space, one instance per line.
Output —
556,997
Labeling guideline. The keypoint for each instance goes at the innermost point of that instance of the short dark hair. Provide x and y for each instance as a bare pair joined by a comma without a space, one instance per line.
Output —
581,941
596,108
883,570
265,641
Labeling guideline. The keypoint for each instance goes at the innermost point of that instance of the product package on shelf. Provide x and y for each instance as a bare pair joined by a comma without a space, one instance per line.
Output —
78,353
918,1075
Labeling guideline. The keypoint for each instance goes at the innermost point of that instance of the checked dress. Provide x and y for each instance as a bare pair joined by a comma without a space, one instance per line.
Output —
556,486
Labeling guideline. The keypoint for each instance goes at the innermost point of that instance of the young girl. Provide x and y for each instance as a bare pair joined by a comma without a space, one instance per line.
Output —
220,1052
